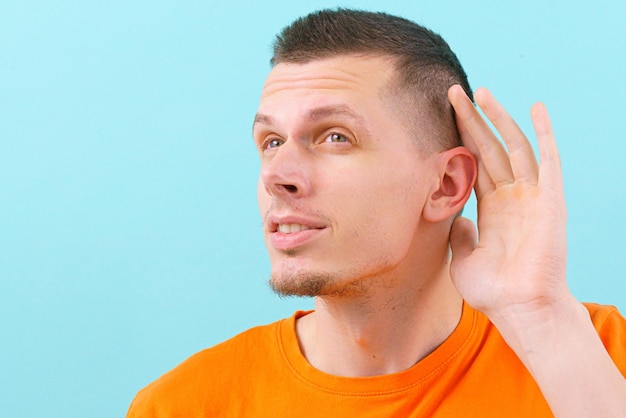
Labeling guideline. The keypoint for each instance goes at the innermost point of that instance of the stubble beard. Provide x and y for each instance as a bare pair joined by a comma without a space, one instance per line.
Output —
313,284
300,284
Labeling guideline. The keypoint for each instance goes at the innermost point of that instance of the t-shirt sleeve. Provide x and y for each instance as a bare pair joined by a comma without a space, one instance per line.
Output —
611,327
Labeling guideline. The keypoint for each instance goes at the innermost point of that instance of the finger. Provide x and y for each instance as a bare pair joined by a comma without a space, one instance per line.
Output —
484,183
491,151
521,155
550,174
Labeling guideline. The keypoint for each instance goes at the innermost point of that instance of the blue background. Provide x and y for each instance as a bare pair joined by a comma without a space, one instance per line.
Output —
129,233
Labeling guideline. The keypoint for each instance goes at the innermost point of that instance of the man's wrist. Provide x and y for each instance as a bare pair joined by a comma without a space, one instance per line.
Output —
542,331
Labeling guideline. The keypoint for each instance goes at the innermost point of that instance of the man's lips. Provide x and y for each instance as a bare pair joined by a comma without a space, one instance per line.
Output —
292,223
290,232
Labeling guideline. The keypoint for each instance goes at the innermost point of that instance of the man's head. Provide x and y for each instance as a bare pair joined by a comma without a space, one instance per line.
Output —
352,192
426,66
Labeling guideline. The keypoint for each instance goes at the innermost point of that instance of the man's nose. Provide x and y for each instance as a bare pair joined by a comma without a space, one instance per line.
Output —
285,174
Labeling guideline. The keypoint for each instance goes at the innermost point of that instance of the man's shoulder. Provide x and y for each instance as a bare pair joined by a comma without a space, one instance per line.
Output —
209,371
611,327
603,315
608,322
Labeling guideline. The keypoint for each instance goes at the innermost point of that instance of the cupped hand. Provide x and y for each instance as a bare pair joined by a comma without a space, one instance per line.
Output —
516,262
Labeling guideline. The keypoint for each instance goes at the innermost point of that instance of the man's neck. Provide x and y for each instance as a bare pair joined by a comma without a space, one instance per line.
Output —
381,334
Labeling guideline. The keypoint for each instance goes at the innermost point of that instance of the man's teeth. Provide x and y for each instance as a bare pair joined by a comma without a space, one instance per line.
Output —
289,228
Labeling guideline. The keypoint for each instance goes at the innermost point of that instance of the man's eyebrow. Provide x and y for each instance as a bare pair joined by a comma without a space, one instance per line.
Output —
323,112
319,113
262,119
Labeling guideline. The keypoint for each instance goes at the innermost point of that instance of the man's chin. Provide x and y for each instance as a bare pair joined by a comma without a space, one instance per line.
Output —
313,284
300,284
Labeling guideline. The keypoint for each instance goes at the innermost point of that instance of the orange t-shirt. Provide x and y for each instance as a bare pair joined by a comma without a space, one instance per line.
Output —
262,373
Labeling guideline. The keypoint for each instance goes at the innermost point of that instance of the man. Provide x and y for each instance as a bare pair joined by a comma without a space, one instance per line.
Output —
362,182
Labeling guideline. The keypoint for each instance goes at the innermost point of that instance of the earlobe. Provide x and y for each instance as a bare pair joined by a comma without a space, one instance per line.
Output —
457,174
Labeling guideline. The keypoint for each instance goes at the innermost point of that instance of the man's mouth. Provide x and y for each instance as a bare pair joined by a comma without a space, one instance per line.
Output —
291,228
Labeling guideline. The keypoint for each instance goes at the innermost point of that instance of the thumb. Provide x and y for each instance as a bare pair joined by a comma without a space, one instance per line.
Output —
462,239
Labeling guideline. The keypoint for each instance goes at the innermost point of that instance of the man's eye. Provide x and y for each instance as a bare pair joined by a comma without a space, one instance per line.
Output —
335,137
273,143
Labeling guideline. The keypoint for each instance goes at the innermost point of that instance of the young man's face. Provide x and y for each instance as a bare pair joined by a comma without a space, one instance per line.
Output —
343,181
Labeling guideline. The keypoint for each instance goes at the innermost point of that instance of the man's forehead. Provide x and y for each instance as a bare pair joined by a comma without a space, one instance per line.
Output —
337,72
347,87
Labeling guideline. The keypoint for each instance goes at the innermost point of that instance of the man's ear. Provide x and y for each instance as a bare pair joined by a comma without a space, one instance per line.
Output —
457,169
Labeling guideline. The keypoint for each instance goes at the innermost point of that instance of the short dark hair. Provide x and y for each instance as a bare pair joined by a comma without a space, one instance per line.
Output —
425,64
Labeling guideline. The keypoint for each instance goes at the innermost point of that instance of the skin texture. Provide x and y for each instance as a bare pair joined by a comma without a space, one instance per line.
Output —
380,217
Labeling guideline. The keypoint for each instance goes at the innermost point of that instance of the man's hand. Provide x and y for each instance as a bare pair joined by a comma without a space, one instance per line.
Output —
517,266
514,270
